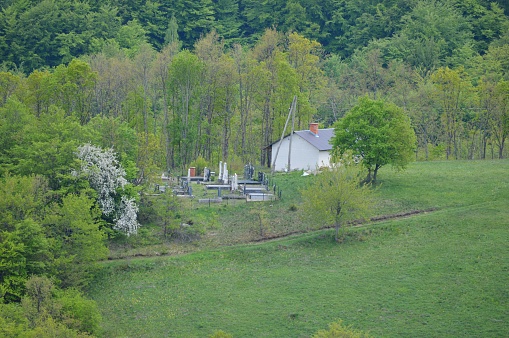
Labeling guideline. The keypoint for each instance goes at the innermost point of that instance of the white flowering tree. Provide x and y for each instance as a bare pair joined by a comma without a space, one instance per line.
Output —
107,177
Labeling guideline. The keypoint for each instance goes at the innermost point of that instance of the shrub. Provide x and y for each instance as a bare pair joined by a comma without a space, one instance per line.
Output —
339,330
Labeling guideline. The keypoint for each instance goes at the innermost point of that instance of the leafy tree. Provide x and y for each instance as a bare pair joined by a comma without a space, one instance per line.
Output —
78,312
46,33
131,37
377,131
167,212
12,267
195,18
303,55
186,72
425,117
338,194
47,146
9,83
357,23
24,248
107,178
209,50
74,85
13,323
227,19
452,90
14,118
498,114
161,71
369,73
41,91
75,228
52,312
431,32
249,79
260,16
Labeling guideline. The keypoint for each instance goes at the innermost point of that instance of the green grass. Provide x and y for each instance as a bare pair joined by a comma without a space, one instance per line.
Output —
437,274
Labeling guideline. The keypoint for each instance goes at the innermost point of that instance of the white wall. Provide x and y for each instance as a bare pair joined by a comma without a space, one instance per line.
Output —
304,155
324,158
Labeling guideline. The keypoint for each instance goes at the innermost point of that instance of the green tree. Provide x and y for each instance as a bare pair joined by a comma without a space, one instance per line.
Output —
52,312
47,146
14,118
209,50
9,83
425,117
131,37
451,90
195,18
185,77
79,241
24,248
337,195
13,323
227,16
377,131
498,116
41,91
75,83
303,55
167,212
431,33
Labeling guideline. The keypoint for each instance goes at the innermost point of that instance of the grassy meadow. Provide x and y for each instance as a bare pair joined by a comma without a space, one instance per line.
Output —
441,273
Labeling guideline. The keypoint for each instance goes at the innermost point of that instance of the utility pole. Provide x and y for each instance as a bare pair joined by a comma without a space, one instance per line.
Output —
292,107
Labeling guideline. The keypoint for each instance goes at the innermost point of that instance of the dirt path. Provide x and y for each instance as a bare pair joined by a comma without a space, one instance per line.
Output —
356,223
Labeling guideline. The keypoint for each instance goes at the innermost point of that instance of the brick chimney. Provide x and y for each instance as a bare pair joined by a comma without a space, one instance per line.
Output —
313,127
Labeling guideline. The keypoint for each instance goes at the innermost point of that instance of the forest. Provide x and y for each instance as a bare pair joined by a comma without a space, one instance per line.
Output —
133,89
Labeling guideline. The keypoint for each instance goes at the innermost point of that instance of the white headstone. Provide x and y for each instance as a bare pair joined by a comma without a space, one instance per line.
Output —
220,177
225,174
235,183
189,175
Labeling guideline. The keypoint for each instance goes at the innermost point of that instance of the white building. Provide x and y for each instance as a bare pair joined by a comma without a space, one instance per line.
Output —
310,149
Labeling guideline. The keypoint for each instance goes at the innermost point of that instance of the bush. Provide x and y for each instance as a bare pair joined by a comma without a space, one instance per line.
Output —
221,334
338,330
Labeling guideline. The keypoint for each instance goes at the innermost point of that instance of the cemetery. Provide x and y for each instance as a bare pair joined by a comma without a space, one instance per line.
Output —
227,186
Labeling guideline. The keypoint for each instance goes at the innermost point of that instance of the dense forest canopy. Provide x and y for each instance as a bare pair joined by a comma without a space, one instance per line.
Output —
138,88
35,33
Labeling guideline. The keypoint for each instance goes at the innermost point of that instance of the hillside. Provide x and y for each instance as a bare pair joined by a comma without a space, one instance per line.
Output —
101,99
440,273
38,34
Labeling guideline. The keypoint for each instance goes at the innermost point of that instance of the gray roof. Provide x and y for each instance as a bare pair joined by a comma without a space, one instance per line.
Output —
320,141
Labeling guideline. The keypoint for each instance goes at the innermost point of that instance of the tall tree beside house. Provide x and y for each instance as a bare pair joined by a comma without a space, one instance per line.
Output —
377,131
303,56
266,54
